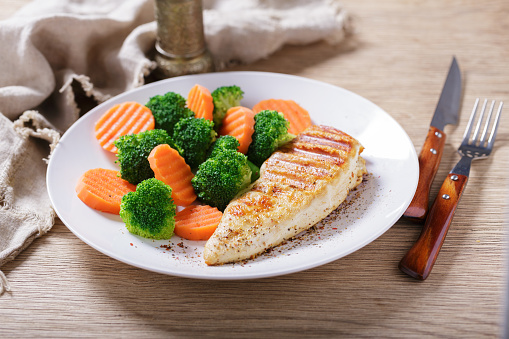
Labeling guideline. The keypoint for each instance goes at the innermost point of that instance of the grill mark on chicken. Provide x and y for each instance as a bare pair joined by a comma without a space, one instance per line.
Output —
330,133
319,144
318,154
268,187
295,170
253,203
327,140
293,162
293,175
299,185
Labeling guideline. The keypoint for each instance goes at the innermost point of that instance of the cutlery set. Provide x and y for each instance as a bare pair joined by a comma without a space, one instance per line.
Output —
477,144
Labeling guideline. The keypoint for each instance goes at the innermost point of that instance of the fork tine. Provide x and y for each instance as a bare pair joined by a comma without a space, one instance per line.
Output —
491,139
478,126
487,124
468,130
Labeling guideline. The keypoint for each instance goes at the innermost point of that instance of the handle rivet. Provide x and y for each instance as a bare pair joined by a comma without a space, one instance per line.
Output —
446,196
434,151
454,177
438,134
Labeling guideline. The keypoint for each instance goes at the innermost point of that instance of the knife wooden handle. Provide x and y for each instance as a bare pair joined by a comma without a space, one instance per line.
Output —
429,159
419,260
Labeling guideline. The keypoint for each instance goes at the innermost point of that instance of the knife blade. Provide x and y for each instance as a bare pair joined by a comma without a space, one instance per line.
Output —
446,112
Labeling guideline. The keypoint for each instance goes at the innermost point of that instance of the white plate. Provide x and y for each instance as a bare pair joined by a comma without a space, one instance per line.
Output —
370,211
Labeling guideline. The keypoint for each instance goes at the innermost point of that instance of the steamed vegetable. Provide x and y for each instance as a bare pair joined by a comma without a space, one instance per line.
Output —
270,132
149,211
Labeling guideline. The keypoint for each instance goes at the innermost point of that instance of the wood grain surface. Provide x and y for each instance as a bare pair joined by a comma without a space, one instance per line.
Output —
398,58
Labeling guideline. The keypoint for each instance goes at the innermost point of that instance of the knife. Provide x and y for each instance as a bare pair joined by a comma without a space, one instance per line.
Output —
421,257
446,112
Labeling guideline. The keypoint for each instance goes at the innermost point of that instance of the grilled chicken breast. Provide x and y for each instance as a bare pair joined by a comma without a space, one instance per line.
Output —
299,185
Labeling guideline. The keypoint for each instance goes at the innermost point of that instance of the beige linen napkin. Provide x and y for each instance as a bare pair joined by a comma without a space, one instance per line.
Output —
62,57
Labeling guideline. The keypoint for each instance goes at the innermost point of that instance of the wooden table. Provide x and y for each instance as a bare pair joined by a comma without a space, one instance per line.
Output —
398,59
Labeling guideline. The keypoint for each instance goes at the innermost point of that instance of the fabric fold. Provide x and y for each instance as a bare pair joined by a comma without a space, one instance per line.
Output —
66,56
25,208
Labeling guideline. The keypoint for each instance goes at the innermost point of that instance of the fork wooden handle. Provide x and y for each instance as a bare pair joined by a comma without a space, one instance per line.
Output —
429,159
419,260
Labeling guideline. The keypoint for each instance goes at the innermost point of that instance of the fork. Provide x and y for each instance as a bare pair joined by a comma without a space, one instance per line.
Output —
419,260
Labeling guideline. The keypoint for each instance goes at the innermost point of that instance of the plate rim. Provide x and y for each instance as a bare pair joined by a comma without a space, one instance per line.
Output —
296,268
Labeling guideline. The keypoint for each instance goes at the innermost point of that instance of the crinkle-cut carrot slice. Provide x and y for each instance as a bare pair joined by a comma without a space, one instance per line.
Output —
171,168
102,189
122,119
199,100
297,116
197,222
239,122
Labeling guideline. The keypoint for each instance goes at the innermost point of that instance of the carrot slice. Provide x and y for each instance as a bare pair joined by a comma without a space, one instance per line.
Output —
239,122
297,116
125,118
171,168
199,100
197,222
102,189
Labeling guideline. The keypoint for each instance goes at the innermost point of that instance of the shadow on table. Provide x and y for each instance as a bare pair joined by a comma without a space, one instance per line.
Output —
347,296
295,59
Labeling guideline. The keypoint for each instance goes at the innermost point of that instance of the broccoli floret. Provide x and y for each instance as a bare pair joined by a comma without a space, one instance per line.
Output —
149,211
168,109
194,136
255,171
231,143
220,178
270,132
133,150
222,143
224,98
